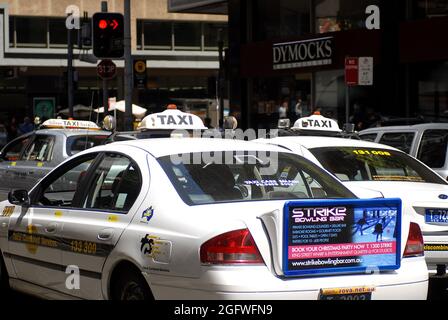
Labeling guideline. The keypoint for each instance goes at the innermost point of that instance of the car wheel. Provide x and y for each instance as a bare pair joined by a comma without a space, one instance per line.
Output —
131,287
4,282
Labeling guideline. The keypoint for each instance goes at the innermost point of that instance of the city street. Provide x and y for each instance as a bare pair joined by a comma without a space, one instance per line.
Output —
224,150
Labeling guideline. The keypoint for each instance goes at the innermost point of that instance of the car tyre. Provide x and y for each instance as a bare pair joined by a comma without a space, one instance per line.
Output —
131,287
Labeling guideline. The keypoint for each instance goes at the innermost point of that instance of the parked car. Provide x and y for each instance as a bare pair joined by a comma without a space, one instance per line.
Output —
426,142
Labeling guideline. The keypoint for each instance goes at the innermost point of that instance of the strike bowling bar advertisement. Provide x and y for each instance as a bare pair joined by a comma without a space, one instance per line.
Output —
341,236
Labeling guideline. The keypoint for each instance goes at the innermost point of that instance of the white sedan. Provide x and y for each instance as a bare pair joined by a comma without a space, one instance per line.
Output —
366,165
204,219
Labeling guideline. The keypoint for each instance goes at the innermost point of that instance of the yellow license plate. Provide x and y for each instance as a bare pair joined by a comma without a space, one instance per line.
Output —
349,293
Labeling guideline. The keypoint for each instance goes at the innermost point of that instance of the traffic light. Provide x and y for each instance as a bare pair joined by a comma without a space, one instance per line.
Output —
108,35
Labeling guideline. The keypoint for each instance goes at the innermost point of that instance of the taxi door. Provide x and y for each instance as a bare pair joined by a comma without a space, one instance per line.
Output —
92,230
33,246
35,232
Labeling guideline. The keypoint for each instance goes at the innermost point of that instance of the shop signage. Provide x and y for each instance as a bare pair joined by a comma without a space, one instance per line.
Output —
359,71
306,53
341,236
365,71
351,71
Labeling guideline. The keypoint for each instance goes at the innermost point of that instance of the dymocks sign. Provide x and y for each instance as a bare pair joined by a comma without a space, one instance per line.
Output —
305,53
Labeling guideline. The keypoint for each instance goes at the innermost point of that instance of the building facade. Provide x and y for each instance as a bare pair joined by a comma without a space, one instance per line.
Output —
181,53
410,73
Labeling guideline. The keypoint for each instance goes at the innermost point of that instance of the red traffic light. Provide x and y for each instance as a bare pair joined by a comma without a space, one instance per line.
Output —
102,24
114,24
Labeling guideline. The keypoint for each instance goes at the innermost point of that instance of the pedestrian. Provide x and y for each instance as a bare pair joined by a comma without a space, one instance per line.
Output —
12,130
298,109
283,110
208,123
26,126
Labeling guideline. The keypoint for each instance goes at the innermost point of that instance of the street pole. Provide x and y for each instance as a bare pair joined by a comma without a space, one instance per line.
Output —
347,103
127,66
221,77
105,89
70,89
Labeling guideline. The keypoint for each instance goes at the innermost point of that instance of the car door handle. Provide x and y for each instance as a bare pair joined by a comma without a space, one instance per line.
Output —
106,234
51,228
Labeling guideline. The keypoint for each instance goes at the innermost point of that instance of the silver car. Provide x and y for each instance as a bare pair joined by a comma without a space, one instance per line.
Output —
28,158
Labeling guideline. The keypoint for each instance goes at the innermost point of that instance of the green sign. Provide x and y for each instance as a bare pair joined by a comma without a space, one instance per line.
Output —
44,108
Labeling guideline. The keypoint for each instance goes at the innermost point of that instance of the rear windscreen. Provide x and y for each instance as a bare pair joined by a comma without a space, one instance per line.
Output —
80,143
244,177
371,164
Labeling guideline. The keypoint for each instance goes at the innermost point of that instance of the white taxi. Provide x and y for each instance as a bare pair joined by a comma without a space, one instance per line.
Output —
28,158
169,123
203,219
363,165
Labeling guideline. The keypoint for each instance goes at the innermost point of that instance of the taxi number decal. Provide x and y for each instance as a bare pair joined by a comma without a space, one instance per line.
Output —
70,245
372,152
83,247
8,211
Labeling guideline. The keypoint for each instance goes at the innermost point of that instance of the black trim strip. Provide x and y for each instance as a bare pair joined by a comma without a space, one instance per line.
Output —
53,266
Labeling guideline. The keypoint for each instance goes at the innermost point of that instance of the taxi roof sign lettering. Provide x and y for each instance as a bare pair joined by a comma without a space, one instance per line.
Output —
318,123
69,124
172,119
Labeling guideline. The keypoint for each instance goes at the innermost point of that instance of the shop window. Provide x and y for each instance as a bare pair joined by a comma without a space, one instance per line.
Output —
12,40
280,19
187,36
157,35
339,15
211,31
431,8
139,34
31,32
432,91
58,33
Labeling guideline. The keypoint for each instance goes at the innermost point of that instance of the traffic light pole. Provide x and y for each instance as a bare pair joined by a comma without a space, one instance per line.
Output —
221,78
105,90
70,89
127,66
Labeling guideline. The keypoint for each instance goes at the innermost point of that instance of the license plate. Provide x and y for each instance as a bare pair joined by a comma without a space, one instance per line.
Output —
353,293
436,216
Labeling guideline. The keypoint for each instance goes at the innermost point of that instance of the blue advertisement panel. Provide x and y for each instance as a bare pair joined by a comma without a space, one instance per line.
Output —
341,236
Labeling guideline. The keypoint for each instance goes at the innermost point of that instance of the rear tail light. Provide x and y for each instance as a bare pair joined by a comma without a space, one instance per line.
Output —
235,247
414,245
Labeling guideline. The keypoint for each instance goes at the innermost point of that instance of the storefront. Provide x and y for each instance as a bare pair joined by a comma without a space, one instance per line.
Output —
410,59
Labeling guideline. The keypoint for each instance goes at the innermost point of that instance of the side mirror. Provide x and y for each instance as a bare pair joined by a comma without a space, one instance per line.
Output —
109,123
19,197
230,123
284,124
348,128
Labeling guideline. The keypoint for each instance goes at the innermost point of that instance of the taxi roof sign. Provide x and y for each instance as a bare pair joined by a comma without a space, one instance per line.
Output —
69,124
317,123
172,119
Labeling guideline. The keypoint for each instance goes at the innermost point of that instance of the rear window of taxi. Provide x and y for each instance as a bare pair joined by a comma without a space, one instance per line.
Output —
370,164
240,177
80,143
